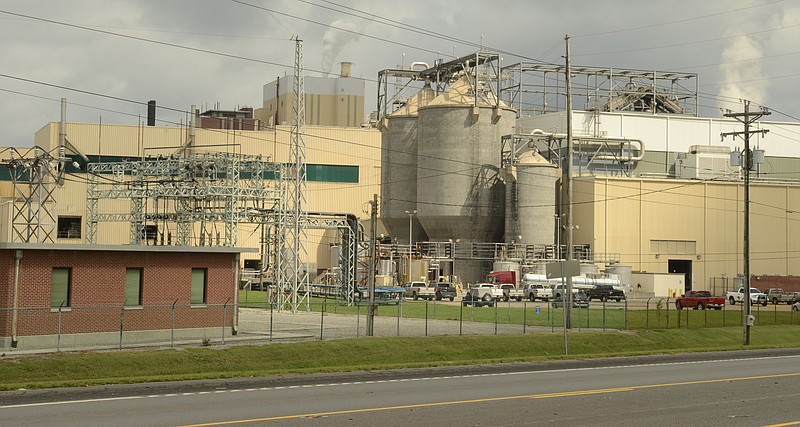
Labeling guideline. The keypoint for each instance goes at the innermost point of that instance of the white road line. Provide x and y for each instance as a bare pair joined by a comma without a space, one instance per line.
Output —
111,399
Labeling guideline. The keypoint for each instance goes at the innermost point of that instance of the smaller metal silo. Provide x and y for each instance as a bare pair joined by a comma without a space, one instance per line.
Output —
531,199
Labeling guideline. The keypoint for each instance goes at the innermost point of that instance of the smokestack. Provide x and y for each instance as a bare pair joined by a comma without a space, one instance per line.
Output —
346,69
151,113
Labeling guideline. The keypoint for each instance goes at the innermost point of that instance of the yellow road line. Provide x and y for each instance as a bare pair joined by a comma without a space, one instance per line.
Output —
497,399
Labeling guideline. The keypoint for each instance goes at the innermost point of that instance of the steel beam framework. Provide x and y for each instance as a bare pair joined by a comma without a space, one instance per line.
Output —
532,89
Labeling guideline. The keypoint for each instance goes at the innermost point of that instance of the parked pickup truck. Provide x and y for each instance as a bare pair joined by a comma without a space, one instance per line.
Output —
417,290
444,290
778,296
482,294
485,292
537,291
604,292
699,300
511,292
756,297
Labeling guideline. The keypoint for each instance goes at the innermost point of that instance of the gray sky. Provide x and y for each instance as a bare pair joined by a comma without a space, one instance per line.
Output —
739,48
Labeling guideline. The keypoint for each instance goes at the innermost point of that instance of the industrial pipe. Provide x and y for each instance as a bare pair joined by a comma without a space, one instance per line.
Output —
15,306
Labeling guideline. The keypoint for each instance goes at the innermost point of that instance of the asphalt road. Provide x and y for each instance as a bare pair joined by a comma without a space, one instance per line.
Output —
731,389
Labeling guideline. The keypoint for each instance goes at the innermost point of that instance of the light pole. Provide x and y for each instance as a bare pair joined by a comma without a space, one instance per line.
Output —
410,238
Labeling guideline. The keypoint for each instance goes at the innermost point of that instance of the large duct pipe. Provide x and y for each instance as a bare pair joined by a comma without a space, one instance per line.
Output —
594,143
192,128
17,256
346,69
151,112
62,131
415,64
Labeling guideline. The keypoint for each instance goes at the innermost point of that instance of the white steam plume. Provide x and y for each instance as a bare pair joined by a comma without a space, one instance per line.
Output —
335,40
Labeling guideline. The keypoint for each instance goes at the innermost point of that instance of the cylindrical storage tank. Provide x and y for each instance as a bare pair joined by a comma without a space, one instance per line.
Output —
587,268
459,193
623,272
419,270
531,199
399,168
386,267
471,271
505,266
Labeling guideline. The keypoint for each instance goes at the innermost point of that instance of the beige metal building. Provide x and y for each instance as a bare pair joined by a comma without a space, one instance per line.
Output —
337,101
343,171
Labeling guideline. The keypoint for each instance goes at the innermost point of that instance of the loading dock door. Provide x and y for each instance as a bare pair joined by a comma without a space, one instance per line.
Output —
682,266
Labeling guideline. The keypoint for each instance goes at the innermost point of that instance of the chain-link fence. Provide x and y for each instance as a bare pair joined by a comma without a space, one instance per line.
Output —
253,319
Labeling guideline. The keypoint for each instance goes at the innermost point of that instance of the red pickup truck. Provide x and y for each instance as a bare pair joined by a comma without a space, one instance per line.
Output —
699,300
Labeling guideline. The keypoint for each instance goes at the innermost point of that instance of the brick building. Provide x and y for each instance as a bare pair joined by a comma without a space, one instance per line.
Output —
94,294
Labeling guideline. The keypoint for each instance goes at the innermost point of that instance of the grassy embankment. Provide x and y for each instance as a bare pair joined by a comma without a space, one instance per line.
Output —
131,366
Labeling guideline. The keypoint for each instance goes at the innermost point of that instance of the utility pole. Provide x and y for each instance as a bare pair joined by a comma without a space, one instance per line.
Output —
746,118
567,183
371,277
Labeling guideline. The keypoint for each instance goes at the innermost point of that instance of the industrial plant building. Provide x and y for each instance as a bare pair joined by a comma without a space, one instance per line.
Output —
467,158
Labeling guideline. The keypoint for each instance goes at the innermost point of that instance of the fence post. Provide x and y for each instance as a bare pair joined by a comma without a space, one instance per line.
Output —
496,306
172,330
271,309
224,316
724,309
625,325
322,319
58,340
776,314
604,315
358,317
460,318
524,316
121,322
667,310
399,315
426,317
647,315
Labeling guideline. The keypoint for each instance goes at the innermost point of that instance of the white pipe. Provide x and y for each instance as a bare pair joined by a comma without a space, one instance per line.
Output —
236,280
594,141
17,256
414,64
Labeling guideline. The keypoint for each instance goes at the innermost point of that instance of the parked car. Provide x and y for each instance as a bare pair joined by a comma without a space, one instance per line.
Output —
511,292
444,290
756,297
699,300
778,296
605,292
482,294
796,306
579,300
418,290
537,291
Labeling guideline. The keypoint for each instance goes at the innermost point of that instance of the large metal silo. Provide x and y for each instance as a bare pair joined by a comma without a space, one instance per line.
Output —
531,199
399,168
459,193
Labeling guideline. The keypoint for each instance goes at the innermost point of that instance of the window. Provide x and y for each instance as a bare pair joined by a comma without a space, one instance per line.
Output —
69,227
198,286
60,288
133,286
